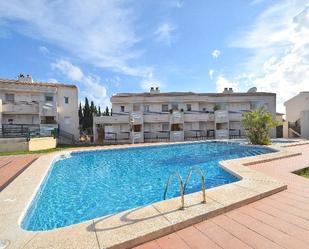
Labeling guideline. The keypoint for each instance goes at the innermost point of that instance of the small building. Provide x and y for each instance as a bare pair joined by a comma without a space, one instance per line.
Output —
178,116
297,116
38,106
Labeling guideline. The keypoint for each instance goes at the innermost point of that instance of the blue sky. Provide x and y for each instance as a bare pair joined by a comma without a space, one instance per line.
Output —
107,46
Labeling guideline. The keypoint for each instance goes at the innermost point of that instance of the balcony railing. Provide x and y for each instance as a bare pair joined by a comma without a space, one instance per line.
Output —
156,136
20,108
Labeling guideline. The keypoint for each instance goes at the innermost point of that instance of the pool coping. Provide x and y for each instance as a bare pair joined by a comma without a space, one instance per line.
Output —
135,226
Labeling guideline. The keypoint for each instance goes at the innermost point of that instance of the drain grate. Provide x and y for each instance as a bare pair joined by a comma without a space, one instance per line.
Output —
4,243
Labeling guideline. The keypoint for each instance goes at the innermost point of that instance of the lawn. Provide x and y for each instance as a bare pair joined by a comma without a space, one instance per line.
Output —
58,148
303,172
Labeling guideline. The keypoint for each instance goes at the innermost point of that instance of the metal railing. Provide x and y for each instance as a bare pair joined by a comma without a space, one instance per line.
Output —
157,136
199,171
183,187
24,131
198,134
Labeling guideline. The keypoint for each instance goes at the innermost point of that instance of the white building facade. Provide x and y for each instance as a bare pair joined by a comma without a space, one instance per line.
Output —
38,105
178,116
297,116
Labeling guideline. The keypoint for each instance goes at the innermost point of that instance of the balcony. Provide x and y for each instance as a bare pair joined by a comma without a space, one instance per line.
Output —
222,134
221,116
176,136
115,119
20,108
198,117
156,117
48,109
233,116
136,117
176,117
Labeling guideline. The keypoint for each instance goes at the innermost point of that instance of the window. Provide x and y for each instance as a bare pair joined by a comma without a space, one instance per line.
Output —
124,128
137,128
67,120
10,121
49,98
189,107
136,107
176,127
122,108
164,108
48,120
9,97
146,108
174,106
66,100
165,127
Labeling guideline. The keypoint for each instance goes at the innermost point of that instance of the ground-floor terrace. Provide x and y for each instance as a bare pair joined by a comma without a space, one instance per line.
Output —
280,220
165,132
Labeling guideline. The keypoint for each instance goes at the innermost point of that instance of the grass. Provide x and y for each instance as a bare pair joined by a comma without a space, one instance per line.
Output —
303,172
58,148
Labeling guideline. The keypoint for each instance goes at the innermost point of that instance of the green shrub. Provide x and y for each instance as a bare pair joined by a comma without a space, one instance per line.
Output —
257,124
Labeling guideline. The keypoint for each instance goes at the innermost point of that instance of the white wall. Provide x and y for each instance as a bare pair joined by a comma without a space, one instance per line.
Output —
68,113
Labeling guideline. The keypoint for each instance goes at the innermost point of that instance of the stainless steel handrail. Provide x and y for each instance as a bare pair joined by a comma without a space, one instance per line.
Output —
181,188
199,171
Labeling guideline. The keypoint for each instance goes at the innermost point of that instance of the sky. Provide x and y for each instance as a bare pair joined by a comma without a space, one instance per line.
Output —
109,46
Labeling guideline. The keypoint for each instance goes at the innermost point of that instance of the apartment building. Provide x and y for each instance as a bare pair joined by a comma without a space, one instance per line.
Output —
38,106
297,116
178,116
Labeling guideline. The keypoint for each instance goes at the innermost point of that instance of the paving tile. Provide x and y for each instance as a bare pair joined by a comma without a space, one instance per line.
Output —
12,232
220,236
140,225
288,208
149,245
77,236
243,233
194,212
172,241
281,214
267,231
278,224
196,239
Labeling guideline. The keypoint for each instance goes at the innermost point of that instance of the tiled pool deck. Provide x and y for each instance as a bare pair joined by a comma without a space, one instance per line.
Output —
278,221
272,222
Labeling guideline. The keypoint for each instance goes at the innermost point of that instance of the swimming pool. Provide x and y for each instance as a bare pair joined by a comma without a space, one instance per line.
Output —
86,185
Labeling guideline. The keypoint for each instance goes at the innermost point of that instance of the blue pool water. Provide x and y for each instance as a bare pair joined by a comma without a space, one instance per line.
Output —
87,185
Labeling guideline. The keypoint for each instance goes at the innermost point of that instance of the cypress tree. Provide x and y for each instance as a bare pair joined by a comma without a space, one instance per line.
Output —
80,114
106,111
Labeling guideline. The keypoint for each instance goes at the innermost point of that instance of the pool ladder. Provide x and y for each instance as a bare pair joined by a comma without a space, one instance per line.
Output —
182,187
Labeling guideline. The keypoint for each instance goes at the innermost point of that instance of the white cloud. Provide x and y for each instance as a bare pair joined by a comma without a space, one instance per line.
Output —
164,33
44,50
92,88
222,82
254,2
279,42
211,73
179,3
52,80
149,82
100,32
216,53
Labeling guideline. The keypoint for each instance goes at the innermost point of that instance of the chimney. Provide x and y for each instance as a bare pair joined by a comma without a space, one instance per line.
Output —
152,89
23,78
29,78
231,90
225,90
157,89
